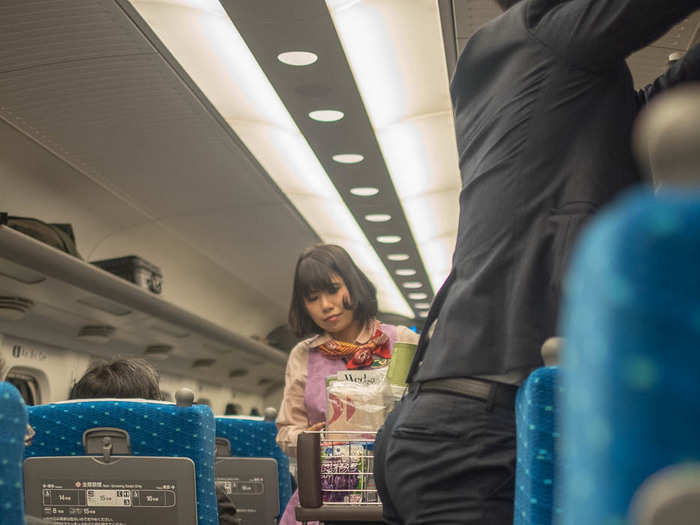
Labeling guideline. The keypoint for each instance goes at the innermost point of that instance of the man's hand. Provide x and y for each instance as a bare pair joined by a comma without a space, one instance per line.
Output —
316,427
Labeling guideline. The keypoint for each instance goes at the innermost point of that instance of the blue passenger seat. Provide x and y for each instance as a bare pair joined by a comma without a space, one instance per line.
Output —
255,438
155,429
536,413
13,425
631,368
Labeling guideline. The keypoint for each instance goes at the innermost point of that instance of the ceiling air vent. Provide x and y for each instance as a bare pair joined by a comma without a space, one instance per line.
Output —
238,372
158,351
100,334
203,363
14,308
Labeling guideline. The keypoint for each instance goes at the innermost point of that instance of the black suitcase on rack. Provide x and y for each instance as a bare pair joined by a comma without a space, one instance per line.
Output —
134,269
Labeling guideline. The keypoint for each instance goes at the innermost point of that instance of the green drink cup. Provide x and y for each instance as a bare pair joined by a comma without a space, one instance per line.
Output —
400,363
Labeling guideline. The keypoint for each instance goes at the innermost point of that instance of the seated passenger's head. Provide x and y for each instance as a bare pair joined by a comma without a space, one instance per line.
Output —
122,378
232,409
506,4
327,283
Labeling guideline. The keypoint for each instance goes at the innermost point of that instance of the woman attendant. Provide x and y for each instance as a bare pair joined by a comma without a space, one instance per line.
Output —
334,300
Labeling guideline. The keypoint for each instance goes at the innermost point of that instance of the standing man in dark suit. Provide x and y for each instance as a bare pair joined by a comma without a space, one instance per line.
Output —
544,105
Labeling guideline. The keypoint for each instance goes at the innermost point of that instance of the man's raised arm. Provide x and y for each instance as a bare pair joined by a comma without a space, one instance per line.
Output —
598,34
687,69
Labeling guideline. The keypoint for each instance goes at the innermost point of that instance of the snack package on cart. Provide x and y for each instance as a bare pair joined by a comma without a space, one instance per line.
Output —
357,400
346,471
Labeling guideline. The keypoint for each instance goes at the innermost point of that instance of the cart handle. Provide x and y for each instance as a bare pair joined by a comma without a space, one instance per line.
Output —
308,469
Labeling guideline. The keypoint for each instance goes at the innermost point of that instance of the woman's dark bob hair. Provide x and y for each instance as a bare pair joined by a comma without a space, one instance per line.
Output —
315,268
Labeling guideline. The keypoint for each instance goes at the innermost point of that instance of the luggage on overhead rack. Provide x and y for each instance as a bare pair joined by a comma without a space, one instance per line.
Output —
59,236
136,270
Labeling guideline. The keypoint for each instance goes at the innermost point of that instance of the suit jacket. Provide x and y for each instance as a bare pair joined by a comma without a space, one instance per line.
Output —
544,105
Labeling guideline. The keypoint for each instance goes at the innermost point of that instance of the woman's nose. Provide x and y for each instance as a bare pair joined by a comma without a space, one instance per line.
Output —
325,302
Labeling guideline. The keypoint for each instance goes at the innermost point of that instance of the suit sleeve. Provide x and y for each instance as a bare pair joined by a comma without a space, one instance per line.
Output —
598,34
687,69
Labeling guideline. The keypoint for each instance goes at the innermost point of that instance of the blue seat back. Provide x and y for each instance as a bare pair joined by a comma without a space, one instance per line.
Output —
13,426
252,438
536,413
155,429
631,368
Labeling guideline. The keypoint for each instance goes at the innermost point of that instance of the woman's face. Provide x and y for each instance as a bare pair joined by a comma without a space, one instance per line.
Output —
327,309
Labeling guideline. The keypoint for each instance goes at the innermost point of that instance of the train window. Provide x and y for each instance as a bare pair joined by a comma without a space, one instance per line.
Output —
27,385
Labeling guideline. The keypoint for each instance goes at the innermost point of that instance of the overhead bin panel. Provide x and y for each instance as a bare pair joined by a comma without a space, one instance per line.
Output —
71,299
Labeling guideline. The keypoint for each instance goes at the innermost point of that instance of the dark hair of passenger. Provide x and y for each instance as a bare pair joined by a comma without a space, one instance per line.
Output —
232,409
506,4
314,272
122,378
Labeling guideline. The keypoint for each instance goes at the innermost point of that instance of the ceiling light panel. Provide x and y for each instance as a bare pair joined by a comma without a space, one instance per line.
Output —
389,239
396,52
348,158
202,38
348,150
297,58
326,115
378,217
364,191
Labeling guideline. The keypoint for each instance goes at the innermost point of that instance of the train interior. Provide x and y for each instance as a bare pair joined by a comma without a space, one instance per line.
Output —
214,140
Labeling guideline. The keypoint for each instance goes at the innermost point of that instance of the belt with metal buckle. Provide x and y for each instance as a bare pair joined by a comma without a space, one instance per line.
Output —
498,394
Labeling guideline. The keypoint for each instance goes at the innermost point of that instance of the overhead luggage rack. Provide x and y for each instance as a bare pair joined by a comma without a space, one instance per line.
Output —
68,294
335,477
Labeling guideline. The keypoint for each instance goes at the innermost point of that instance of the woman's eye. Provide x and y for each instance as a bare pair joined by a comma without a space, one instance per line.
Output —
312,298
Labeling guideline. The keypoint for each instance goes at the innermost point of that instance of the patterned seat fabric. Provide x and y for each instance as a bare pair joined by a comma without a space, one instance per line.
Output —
631,368
13,425
536,413
155,429
256,439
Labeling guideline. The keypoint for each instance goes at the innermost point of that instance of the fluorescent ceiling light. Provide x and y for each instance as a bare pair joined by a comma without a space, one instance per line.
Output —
389,239
296,58
364,191
405,272
326,115
412,285
348,158
378,217
423,314
418,296
398,257
202,38
422,306
395,50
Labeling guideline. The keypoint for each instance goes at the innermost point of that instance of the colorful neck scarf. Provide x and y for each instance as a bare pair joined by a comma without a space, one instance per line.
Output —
373,353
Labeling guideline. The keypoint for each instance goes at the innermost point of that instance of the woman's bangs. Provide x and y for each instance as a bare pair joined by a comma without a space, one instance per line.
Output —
314,276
